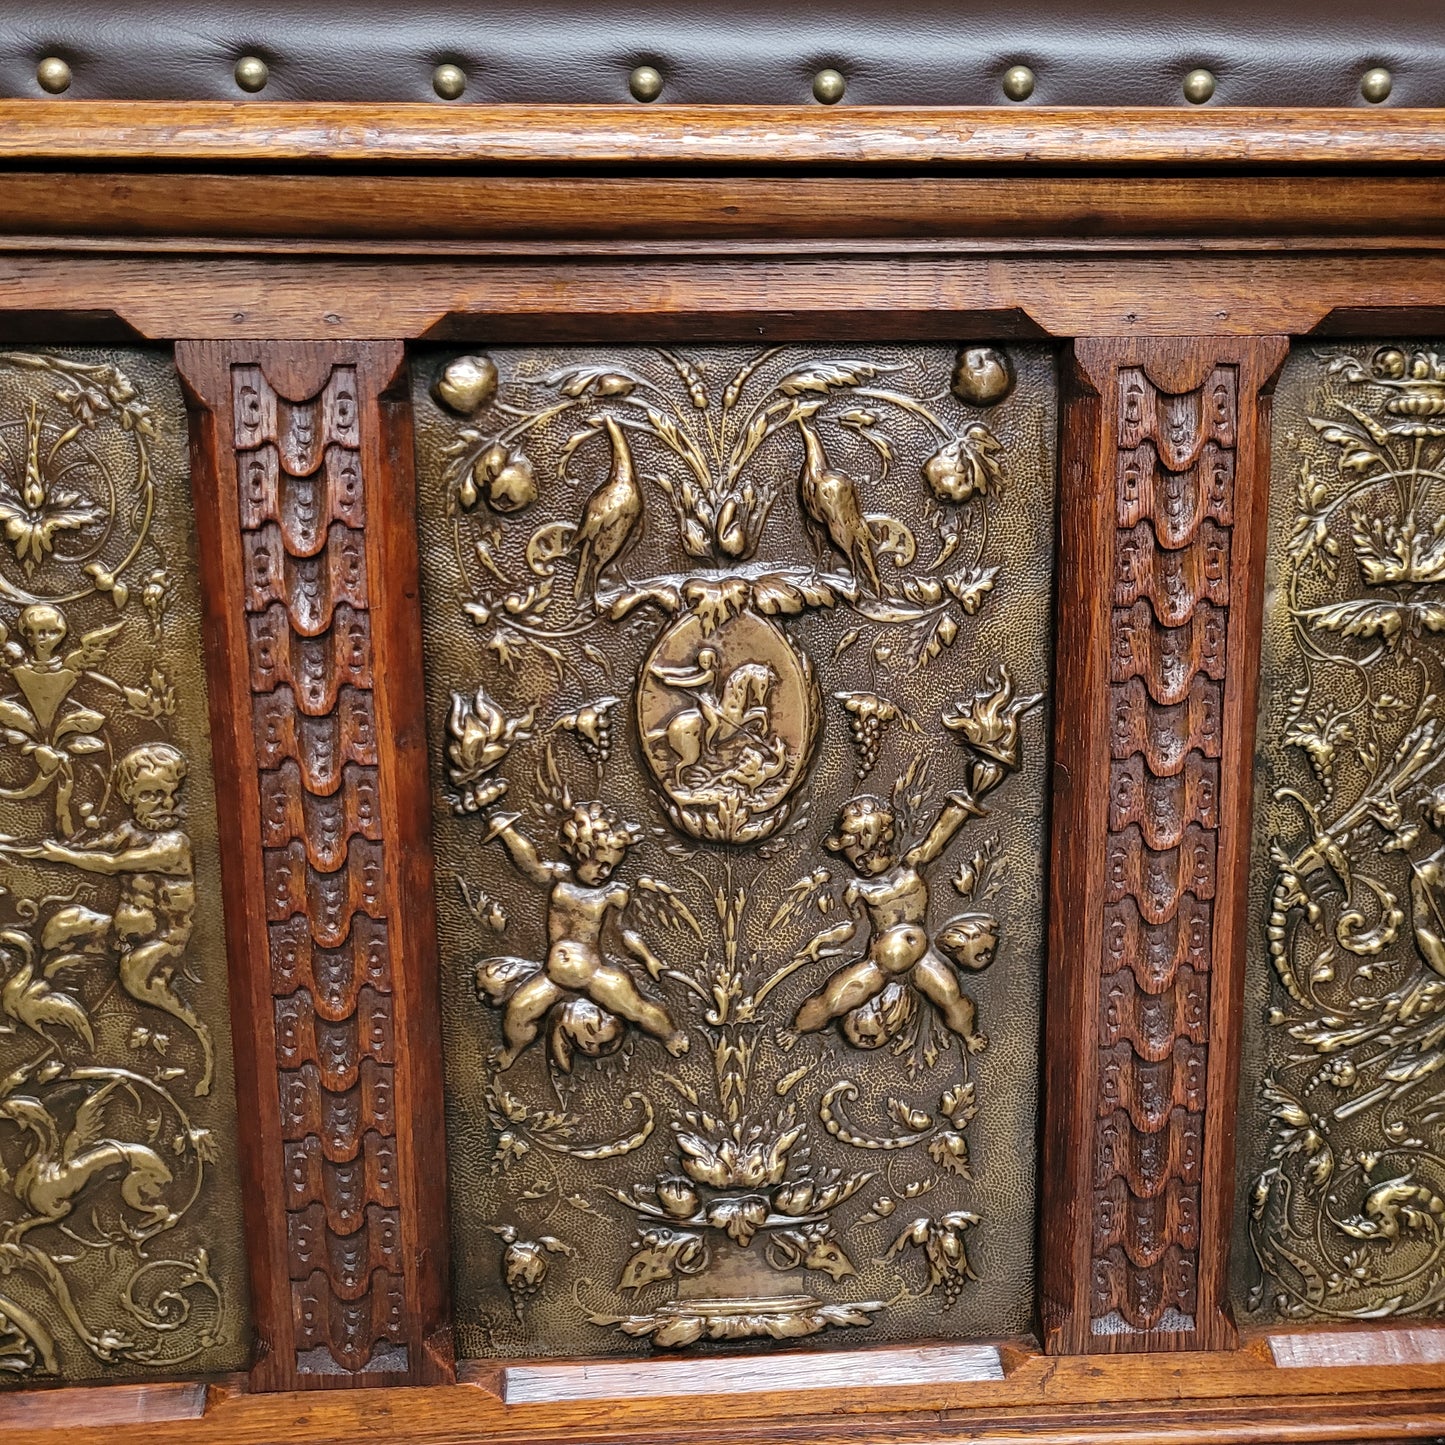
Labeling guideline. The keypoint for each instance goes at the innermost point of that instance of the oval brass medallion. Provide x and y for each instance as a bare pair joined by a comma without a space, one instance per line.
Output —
727,716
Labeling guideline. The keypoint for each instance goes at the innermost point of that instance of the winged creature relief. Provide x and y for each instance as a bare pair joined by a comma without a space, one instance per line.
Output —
709,1039
1347,1214
101,1164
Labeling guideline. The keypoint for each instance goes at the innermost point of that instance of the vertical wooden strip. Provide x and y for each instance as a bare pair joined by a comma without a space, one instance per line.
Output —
1165,461
304,488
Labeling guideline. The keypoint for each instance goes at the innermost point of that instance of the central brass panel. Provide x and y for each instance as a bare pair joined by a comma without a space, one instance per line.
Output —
736,671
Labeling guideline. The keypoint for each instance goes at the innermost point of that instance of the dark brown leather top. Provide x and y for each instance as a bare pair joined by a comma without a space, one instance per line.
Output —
1083,52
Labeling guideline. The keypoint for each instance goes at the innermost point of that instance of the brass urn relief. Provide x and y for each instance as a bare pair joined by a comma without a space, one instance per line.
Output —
738,738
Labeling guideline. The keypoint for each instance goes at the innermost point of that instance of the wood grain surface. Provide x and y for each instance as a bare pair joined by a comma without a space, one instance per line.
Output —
732,135
303,480
1165,461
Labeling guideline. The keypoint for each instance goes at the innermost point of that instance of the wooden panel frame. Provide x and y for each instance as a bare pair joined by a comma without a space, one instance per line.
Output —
321,766
161,222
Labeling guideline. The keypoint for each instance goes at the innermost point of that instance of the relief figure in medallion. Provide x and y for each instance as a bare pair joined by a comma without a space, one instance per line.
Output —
727,733
151,853
594,840
894,895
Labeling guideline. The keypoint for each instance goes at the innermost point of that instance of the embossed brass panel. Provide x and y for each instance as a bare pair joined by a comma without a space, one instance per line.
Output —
736,663
1342,1207
120,1233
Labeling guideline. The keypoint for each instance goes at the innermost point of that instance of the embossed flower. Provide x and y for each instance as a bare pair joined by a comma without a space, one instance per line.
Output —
989,724
481,737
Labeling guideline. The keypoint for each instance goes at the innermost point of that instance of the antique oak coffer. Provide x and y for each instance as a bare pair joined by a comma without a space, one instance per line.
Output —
722,724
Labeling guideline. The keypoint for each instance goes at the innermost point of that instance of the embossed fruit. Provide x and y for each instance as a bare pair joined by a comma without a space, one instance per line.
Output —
969,466
466,384
506,481
982,376
677,1197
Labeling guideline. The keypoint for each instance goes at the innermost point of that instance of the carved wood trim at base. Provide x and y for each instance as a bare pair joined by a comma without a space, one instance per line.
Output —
1166,467
303,485
1239,1397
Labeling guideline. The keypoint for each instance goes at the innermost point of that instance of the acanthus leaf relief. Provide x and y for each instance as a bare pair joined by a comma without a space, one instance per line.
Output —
1345,1210
119,1216
736,666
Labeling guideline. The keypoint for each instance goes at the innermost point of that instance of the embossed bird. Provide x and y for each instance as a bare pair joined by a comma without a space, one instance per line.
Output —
831,501
609,518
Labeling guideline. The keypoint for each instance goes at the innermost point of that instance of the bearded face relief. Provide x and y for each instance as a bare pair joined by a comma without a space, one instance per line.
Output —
738,726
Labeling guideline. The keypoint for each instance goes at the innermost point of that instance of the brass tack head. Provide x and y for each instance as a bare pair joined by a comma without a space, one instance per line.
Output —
645,83
449,81
252,73
1198,86
53,74
828,87
1018,82
1376,84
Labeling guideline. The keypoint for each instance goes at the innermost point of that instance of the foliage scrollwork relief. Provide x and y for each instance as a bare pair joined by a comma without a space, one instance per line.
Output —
113,1071
736,665
1346,1211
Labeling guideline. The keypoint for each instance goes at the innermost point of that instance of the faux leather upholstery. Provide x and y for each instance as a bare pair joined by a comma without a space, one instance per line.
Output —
904,52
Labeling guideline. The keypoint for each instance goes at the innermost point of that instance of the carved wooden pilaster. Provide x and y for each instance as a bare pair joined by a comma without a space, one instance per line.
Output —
304,497
1166,482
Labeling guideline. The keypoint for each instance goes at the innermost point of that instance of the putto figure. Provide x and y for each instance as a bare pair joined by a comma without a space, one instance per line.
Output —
593,992
894,895
151,853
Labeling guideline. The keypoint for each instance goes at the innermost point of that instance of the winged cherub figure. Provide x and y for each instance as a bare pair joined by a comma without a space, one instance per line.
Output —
894,895
594,840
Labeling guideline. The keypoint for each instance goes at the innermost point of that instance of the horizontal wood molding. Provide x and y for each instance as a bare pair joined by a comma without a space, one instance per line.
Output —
273,133
1235,1398
668,297
1080,211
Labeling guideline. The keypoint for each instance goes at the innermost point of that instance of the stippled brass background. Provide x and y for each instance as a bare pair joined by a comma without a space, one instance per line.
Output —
121,1247
737,663
1342,1171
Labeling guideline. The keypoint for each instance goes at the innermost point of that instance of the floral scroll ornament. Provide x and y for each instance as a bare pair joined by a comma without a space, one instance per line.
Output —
99,1156
1347,1213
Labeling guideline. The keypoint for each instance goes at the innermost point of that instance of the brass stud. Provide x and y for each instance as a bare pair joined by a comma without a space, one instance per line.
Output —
449,81
1018,82
1199,86
252,73
828,87
53,75
1376,85
645,83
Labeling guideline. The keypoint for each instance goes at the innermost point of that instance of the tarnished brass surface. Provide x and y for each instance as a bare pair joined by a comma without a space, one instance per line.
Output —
736,663
120,1233
1342,1208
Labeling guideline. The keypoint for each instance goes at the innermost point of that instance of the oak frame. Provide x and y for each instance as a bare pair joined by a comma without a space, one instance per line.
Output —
187,245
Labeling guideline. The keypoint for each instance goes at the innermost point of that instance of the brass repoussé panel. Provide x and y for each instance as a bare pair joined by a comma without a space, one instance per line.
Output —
121,1247
1342,1199
737,662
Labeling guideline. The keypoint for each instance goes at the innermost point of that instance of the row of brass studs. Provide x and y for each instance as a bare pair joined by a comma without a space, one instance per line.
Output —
450,81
